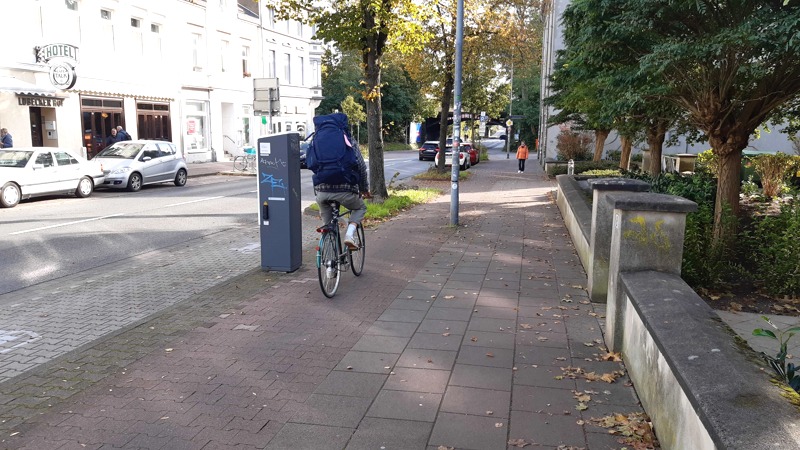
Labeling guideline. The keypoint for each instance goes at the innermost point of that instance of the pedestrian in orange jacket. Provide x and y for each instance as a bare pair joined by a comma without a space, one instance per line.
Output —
522,155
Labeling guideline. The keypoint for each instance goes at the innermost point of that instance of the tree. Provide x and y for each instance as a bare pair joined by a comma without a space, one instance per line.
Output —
354,111
368,27
729,65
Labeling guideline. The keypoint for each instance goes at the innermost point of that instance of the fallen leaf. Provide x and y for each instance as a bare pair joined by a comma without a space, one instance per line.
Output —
490,355
445,334
518,443
498,425
735,306
473,339
611,357
448,297
526,326
581,407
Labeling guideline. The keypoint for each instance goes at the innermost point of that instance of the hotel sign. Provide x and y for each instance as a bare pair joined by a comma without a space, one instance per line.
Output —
40,101
62,59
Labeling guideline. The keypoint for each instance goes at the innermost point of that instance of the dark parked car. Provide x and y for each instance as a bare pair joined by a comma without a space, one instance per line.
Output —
304,148
428,150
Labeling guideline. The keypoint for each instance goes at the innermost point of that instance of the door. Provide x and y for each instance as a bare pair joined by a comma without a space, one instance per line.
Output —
152,169
37,139
44,177
170,161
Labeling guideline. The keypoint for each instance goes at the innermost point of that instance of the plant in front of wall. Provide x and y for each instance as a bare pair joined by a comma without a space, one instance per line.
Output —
788,373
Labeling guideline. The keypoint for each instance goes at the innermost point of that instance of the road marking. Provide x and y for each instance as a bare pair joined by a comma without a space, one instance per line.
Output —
66,224
7,338
195,201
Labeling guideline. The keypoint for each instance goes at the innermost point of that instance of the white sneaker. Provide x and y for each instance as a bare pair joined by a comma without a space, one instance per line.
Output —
350,243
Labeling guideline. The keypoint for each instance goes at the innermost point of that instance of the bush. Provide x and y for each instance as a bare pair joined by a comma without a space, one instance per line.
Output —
603,172
575,146
581,167
614,155
775,244
774,171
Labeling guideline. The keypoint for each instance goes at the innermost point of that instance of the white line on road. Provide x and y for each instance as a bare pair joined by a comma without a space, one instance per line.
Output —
195,201
65,224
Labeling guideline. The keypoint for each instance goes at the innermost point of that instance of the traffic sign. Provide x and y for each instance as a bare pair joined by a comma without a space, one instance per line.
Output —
509,122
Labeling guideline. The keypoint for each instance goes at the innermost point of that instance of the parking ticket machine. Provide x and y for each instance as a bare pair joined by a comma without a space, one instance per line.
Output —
279,211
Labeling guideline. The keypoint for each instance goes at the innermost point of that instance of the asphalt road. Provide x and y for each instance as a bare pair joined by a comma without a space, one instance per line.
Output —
51,237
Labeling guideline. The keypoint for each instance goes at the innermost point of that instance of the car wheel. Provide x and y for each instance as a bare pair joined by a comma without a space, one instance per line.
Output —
180,178
421,158
463,167
134,182
10,195
85,187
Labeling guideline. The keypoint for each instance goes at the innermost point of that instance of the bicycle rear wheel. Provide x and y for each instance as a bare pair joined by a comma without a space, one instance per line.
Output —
357,256
240,162
328,264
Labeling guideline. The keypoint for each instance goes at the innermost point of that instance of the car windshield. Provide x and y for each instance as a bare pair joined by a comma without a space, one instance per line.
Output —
15,158
126,150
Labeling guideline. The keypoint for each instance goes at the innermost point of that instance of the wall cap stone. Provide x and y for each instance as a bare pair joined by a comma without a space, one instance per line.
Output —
619,184
649,201
733,397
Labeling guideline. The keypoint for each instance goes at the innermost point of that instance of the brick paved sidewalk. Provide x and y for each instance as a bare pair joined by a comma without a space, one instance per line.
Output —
454,337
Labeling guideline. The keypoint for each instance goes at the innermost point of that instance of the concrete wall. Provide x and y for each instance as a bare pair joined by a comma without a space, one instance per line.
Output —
577,215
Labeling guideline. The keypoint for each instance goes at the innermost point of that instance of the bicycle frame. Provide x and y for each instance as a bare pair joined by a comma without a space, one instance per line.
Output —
331,262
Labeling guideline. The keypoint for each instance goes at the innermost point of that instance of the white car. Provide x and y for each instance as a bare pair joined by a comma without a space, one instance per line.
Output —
133,164
463,159
30,172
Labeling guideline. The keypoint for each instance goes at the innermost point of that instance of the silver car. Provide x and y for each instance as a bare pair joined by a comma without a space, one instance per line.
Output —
30,172
133,164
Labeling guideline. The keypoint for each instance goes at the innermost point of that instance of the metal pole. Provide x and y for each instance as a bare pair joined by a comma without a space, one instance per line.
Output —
510,100
456,115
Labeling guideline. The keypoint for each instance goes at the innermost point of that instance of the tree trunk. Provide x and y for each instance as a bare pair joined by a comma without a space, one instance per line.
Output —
655,141
600,137
726,206
447,95
625,159
372,66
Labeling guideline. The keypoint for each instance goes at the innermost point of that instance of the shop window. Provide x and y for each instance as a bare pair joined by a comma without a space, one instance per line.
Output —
153,120
136,23
72,4
195,139
105,14
155,28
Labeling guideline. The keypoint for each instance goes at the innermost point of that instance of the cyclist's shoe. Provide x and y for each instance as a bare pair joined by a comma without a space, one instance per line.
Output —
350,243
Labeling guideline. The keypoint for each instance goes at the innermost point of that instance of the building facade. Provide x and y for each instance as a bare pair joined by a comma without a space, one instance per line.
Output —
177,70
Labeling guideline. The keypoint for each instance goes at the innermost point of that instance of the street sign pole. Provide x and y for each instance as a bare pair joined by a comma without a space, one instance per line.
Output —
509,123
457,114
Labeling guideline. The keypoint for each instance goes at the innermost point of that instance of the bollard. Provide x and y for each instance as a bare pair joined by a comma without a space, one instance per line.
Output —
571,167
600,237
648,231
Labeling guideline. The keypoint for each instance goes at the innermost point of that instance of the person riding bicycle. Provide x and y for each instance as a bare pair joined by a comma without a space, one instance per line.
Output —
349,193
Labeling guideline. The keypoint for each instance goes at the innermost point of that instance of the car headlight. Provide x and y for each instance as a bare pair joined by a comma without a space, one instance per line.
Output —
121,170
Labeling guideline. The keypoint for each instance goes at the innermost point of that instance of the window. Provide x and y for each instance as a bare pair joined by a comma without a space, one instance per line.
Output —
45,159
223,52
136,23
105,14
271,62
155,28
301,62
315,75
72,4
299,29
245,61
287,68
197,52
65,159
270,18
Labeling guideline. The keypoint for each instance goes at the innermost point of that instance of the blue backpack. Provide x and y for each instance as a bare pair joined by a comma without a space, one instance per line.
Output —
331,155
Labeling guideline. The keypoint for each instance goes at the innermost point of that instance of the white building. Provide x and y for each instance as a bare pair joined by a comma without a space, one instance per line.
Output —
180,70
553,40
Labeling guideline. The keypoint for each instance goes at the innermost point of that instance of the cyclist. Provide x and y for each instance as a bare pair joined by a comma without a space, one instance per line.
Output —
348,195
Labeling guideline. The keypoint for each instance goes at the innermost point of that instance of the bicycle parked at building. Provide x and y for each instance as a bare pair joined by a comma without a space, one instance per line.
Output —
247,161
333,258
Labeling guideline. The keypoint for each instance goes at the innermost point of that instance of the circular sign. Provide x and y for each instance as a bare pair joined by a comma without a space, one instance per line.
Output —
509,122
62,76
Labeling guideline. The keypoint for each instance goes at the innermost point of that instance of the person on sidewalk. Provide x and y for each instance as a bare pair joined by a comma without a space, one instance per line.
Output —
5,139
124,135
340,173
522,155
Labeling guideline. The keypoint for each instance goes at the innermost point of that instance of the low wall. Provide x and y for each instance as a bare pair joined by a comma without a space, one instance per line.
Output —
577,214
700,389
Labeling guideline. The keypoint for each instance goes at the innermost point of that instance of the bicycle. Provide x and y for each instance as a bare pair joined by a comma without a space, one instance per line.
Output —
332,258
246,161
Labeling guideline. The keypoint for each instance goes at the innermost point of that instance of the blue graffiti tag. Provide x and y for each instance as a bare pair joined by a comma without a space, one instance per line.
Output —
273,182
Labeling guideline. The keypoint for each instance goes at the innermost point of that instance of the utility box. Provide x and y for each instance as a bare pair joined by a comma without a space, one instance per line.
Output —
279,211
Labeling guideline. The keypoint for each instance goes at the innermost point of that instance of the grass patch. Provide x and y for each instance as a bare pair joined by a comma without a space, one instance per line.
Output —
399,200
397,146
433,174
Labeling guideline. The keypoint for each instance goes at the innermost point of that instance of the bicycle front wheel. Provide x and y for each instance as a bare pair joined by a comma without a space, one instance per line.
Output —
240,163
328,264
357,256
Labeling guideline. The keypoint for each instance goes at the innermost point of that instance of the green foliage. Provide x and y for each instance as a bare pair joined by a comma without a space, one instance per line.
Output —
614,155
787,373
708,160
581,167
433,174
399,200
749,187
774,171
774,243
603,172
